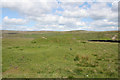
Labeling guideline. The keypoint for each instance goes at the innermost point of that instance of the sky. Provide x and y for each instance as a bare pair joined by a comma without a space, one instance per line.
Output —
59,15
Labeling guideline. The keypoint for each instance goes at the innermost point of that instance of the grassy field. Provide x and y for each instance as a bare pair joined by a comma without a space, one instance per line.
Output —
47,54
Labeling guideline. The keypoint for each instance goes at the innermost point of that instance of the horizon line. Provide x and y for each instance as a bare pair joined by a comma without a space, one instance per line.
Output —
56,30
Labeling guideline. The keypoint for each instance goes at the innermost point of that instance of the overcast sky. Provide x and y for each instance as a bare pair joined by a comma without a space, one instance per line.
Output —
58,15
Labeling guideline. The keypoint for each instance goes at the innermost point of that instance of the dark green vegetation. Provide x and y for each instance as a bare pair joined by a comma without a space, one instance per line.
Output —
59,54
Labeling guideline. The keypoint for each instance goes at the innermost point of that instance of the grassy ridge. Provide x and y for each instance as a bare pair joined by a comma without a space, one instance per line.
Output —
59,54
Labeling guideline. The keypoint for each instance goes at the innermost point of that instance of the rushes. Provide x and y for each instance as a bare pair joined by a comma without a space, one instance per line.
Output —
85,61
77,58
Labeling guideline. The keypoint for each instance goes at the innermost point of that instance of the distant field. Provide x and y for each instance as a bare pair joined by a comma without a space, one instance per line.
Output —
47,54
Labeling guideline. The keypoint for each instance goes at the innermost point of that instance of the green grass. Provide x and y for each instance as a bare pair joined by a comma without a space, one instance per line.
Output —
59,55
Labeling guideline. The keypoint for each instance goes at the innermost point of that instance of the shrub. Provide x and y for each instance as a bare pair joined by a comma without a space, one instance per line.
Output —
77,58
71,76
33,42
17,47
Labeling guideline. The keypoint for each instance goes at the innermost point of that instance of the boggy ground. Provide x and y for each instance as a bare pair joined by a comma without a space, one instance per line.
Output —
47,54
